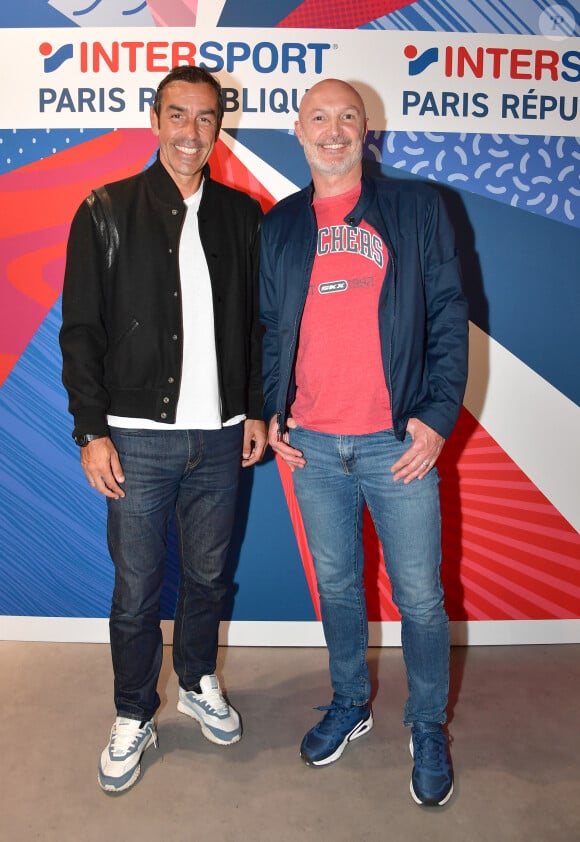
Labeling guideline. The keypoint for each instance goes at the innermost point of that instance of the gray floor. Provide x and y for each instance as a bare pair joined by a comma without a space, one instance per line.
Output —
515,723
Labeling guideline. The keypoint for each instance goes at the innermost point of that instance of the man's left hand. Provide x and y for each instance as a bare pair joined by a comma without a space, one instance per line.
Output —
255,441
417,461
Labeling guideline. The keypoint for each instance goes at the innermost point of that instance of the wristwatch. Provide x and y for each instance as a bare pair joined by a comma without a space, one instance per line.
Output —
85,438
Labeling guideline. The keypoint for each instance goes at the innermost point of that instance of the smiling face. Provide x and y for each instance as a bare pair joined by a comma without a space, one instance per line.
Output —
332,126
187,129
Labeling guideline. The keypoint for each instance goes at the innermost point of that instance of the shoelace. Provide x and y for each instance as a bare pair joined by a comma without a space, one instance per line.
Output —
214,700
429,749
124,736
334,714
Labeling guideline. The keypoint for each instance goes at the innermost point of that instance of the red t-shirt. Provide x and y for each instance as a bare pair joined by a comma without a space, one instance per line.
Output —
340,381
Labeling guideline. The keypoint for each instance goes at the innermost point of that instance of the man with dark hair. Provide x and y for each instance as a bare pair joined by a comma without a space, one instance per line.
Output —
365,361
161,360
195,75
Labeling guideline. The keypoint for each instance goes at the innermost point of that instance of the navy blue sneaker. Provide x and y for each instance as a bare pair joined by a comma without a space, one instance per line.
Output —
340,725
432,778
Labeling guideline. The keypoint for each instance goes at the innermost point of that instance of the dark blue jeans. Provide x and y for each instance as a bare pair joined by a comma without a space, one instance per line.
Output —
192,475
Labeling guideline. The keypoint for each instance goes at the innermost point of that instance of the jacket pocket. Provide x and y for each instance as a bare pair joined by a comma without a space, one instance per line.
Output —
133,325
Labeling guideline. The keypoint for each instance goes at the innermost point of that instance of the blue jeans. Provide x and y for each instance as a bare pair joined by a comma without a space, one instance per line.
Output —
342,473
192,475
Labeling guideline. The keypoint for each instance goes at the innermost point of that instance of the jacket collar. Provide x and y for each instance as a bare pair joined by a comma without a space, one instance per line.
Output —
367,196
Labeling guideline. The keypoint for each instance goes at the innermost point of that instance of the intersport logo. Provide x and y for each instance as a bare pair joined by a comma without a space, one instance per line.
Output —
160,56
493,62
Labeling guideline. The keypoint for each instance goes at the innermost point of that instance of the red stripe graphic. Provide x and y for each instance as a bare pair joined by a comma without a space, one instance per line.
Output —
339,14
37,204
228,169
508,554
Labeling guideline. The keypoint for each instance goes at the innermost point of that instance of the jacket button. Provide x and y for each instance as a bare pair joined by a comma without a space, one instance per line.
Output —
165,400
170,380
164,415
174,212
174,337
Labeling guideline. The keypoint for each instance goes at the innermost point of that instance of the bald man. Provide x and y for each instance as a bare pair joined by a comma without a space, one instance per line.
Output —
365,365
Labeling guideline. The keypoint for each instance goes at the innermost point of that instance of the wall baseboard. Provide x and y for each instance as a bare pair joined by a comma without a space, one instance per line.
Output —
263,633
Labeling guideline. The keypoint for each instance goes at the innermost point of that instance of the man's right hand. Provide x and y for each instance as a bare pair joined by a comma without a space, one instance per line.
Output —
102,466
293,458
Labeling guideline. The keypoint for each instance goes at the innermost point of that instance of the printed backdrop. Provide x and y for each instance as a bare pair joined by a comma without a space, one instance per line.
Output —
510,488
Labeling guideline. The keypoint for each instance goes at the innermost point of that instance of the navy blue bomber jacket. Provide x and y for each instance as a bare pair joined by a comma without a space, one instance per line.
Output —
422,310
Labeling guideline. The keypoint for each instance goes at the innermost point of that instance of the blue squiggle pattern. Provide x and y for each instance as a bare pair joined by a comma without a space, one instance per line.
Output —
94,5
87,10
90,13
136,10
538,174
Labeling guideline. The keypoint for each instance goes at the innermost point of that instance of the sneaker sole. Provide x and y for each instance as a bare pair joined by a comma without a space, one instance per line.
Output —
416,798
111,788
418,801
206,730
359,730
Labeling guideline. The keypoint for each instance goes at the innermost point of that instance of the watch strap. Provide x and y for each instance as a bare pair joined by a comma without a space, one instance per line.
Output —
85,438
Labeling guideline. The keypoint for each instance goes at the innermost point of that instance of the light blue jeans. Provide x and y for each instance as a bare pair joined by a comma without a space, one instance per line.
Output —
343,473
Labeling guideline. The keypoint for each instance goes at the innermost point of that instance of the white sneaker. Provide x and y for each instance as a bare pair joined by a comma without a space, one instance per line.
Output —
120,761
219,722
